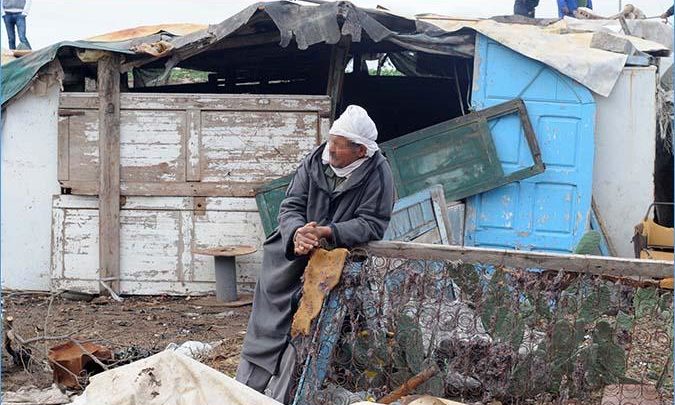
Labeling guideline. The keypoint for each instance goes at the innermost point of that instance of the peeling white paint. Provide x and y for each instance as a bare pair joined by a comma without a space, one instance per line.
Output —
157,243
623,174
29,173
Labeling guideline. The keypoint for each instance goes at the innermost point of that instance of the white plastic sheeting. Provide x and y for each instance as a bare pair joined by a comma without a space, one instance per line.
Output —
168,378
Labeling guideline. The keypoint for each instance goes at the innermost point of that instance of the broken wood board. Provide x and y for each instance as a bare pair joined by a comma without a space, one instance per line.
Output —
183,145
600,265
157,239
321,275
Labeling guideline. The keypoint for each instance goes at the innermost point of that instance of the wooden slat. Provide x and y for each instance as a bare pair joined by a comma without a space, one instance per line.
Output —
441,213
109,188
230,151
57,243
599,265
157,238
432,236
204,102
152,146
336,73
63,163
603,228
456,222
169,190
234,204
254,146
193,145
83,146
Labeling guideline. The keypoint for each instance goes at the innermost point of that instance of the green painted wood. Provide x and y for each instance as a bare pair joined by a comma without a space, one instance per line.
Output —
459,154
269,198
461,157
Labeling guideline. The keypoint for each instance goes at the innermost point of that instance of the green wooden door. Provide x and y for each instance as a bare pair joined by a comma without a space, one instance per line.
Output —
459,154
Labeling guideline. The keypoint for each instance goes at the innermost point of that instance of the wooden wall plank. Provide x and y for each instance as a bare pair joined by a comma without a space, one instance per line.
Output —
204,102
151,146
241,189
157,238
258,146
83,135
57,243
63,145
160,203
193,145
177,150
109,188
81,245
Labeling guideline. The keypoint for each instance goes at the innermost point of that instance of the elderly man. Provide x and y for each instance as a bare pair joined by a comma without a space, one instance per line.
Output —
342,195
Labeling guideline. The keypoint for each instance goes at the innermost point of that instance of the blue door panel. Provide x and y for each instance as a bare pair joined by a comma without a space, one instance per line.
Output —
550,211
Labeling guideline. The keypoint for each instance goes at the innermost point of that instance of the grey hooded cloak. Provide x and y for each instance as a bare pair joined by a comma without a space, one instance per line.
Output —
358,212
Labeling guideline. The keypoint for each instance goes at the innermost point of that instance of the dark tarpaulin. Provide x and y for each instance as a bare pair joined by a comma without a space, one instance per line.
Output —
17,74
308,25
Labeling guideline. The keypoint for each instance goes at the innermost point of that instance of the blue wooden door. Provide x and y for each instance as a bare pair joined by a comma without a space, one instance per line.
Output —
547,212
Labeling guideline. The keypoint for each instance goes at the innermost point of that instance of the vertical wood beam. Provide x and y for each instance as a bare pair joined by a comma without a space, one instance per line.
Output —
336,73
109,171
63,147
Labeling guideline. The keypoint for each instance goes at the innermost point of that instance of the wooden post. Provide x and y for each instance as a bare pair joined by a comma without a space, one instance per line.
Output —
336,73
109,170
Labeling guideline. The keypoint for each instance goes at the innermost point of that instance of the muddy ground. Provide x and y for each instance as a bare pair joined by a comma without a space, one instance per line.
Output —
141,325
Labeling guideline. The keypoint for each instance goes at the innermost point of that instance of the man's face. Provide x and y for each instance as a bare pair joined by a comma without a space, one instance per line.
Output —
344,152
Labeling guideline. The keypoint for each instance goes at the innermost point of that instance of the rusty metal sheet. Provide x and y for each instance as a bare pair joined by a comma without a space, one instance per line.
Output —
71,360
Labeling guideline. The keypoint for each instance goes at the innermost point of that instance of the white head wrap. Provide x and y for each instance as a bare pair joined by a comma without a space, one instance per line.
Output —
355,125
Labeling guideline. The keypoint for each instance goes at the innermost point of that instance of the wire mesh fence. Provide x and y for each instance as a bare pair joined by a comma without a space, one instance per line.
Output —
478,333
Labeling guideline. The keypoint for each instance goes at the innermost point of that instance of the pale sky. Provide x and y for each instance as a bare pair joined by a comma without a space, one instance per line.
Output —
51,21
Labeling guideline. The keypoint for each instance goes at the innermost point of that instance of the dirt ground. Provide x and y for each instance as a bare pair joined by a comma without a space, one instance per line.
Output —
138,326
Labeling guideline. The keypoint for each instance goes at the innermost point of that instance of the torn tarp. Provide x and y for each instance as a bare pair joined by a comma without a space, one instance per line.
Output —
307,25
168,378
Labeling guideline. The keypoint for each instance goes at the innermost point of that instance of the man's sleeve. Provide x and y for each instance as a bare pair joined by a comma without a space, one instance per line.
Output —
293,209
372,215
670,11
26,7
